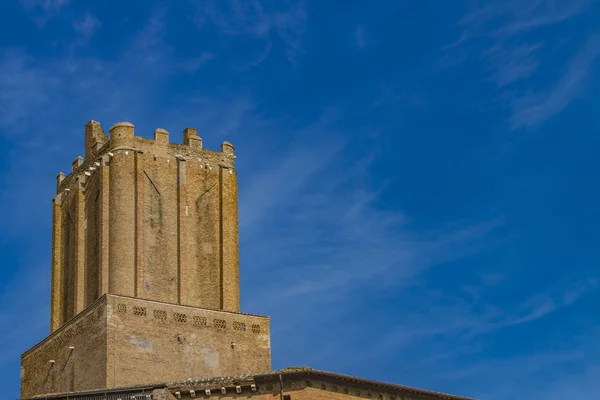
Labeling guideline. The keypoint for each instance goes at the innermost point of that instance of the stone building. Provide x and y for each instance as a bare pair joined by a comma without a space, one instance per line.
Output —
145,284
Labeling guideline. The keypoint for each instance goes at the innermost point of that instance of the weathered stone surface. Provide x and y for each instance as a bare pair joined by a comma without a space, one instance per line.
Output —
124,341
146,218
157,222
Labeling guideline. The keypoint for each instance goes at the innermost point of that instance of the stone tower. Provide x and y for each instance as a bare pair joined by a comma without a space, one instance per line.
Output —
146,219
145,268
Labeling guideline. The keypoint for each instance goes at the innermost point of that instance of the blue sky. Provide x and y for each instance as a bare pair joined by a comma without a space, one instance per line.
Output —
418,180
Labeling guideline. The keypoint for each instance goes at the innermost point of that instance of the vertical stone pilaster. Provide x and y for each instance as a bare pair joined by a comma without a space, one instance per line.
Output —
182,216
140,260
229,241
208,217
56,300
122,238
193,287
80,236
104,224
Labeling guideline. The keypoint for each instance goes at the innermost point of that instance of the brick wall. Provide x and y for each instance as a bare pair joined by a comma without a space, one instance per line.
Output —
146,218
123,341
73,357
153,342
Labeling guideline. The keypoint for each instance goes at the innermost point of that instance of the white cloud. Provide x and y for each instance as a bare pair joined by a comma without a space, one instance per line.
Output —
149,50
286,19
23,90
534,107
87,26
359,36
362,38
515,60
43,10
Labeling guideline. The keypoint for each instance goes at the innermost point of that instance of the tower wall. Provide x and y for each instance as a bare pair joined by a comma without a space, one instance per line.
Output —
56,289
146,218
71,358
124,341
229,229
92,279
122,213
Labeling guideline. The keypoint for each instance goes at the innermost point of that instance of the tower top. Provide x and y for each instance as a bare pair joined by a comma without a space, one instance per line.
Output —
122,137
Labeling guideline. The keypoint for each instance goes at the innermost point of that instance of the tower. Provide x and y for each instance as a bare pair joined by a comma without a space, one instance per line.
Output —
145,268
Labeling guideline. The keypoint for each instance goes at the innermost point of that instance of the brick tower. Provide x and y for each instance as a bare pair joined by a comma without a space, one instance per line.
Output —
145,269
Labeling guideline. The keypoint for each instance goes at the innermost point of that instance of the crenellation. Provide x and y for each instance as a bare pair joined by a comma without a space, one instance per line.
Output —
123,139
77,163
59,178
161,136
95,138
122,134
79,173
191,138
227,148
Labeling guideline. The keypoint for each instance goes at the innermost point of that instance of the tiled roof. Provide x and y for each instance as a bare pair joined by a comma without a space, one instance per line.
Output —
290,375
302,373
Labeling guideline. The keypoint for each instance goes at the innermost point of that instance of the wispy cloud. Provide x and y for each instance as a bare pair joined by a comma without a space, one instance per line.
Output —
515,62
315,212
43,10
572,383
359,36
150,49
259,20
533,108
506,18
571,371
363,38
87,26
23,89
310,220
449,326
504,36
526,365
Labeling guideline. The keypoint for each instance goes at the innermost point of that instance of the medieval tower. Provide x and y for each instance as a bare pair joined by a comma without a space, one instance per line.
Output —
145,268
145,300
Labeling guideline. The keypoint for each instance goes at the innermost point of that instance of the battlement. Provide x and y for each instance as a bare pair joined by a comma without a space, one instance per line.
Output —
121,137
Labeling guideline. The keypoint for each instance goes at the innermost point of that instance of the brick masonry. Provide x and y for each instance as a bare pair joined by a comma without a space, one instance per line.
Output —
146,218
153,224
123,341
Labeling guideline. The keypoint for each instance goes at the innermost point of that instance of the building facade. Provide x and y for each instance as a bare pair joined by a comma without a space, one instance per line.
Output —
145,283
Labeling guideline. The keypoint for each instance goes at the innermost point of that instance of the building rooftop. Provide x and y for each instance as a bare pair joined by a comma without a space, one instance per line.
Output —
289,379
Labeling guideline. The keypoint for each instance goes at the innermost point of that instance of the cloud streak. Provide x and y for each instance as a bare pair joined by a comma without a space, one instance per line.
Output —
43,10
505,36
259,20
533,108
